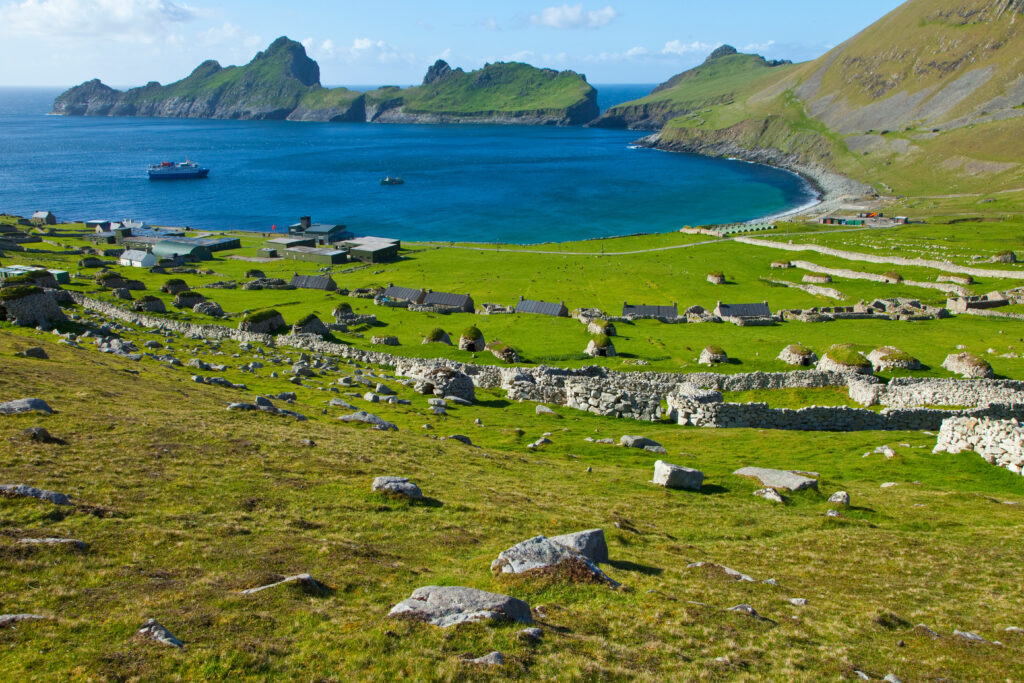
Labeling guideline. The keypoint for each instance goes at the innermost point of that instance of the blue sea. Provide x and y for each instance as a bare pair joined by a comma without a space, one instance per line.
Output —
483,183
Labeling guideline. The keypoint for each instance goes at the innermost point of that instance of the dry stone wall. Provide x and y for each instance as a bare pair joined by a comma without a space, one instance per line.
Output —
999,442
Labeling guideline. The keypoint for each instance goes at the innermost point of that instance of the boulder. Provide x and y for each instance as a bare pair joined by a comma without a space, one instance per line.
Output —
24,405
589,543
153,630
778,479
23,491
450,605
490,659
542,409
11,619
731,573
769,494
677,477
540,554
840,497
397,485
37,352
371,419
69,542
637,442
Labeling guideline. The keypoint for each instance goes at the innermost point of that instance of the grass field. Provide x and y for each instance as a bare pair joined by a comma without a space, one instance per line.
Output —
185,504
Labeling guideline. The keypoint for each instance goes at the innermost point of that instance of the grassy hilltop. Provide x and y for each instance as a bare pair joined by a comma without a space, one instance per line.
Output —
926,100
284,83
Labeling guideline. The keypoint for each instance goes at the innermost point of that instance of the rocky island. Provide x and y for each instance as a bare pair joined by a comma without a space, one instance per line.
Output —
283,82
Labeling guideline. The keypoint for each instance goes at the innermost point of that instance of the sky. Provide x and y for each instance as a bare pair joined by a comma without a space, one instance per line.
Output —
131,42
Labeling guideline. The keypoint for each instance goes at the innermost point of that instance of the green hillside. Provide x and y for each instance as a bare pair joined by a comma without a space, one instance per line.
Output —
927,99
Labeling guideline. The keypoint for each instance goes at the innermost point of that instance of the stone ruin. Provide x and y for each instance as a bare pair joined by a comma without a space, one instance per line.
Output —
28,306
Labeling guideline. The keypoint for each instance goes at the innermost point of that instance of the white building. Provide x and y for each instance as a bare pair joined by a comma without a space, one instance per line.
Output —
138,259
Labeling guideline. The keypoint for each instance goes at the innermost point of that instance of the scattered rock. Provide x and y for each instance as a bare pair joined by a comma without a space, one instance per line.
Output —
731,573
778,479
638,442
888,485
489,659
72,542
749,611
398,485
677,477
153,630
12,619
530,635
307,582
24,405
41,435
37,352
589,543
769,494
840,497
798,602
371,419
23,491
923,630
892,678
540,554
544,410
450,605
462,438
968,636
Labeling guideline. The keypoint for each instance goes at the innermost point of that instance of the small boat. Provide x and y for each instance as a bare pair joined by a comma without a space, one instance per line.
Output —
391,180
168,170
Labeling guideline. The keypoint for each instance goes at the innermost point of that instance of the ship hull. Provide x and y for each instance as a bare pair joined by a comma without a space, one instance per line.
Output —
179,174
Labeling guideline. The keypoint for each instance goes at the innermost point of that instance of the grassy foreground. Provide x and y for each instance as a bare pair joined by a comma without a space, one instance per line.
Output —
183,504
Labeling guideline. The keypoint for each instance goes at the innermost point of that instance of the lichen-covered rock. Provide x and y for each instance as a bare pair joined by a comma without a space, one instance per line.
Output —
24,405
450,605
677,477
590,543
778,479
968,365
370,419
540,554
397,485
153,630
23,491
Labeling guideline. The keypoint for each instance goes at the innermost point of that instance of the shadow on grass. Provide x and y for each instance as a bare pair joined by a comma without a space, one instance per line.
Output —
712,490
627,566
495,403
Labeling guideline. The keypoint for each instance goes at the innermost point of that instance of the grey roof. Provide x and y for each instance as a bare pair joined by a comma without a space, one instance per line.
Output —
541,307
744,310
324,228
446,299
650,311
134,254
167,248
323,282
404,293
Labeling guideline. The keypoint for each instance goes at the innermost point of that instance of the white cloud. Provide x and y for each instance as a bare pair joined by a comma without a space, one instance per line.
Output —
574,16
361,51
128,21
758,47
231,35
675,47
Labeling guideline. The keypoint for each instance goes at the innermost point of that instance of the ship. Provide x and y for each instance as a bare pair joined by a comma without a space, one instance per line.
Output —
391,180
168,170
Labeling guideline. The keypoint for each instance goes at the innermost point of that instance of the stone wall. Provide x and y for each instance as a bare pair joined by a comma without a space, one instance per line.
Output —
909,392
999,442
38,309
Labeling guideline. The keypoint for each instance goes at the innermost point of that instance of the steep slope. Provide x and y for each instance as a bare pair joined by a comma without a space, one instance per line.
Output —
283,82
927,99
268,87
724,77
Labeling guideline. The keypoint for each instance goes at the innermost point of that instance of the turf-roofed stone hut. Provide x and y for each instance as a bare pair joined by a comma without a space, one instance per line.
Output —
321,282
44,218
644,311
29,306
267,321
406,295
542,307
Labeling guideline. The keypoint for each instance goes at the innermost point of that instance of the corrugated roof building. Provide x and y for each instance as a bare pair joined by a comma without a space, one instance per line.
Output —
322,282
454,302
413,296
760,310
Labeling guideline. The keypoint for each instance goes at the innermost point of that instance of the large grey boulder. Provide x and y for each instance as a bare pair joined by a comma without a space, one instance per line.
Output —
11,619
540,553
778,479
371,419
677,476
450,605
637,442
24,405
398,485
23,491
589,543
155,631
